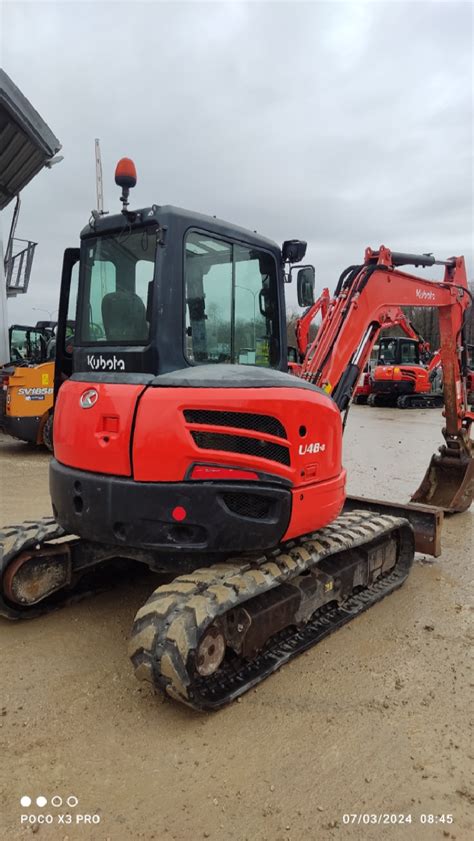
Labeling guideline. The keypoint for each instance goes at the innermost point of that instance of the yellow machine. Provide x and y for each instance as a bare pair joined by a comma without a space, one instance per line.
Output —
27,396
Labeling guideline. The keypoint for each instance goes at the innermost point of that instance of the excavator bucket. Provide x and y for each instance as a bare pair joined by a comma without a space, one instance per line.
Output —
448,483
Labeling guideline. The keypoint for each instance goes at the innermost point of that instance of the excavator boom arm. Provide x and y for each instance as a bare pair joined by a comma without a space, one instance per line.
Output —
304,323
369,297
371,301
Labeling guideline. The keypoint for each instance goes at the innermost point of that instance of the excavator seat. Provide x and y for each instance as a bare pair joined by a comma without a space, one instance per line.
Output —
124,317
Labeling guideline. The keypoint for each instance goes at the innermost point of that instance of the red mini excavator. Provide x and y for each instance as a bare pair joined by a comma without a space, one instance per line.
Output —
405,372
181,442
393,350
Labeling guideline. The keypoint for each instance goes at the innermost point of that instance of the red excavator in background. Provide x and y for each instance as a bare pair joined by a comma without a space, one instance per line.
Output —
405,374
405,369
395,347
181,442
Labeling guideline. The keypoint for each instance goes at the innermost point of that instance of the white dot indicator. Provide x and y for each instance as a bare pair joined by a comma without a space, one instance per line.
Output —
25,800
41,801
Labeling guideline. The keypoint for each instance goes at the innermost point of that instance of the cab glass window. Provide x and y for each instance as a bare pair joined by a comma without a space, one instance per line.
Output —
231,303
118,281
27,345
410,354
388,351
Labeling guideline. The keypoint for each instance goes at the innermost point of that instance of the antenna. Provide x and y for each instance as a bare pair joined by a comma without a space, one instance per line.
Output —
98,178
100,209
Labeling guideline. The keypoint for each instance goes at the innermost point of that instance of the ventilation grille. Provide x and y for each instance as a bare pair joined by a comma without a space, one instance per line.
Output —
248,505
237,444
238,420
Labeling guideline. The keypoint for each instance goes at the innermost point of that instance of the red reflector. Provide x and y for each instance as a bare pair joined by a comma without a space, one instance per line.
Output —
178,513
202,471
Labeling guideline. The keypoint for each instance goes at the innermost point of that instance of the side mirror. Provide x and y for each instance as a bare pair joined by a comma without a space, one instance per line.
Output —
305,282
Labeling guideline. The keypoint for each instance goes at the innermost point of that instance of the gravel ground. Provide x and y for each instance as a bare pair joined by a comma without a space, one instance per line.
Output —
375,720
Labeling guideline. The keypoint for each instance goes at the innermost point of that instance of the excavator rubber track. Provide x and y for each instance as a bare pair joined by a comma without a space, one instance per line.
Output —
45,535
19,538
420,401
169,628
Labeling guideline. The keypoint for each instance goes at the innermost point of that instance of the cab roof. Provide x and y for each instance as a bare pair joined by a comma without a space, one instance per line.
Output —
169,214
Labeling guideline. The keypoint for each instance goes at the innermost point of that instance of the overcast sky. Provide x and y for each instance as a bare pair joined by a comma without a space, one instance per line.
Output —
345,124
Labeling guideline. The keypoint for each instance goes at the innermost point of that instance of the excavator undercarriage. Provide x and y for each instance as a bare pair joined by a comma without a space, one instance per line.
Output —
215,632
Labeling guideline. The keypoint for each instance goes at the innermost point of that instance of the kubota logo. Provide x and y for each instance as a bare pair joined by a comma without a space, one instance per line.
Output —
89,398
424,295
105,363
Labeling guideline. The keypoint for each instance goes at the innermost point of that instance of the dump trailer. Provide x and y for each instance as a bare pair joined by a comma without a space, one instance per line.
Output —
227,477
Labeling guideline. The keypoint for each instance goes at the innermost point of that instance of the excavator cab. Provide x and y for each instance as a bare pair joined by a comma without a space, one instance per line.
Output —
28,345
398,351
168,289
177,425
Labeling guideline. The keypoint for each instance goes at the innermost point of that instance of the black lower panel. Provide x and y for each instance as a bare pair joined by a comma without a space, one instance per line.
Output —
219,517
394,387
26,429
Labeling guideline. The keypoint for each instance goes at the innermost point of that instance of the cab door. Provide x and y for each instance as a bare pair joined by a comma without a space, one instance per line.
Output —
66,317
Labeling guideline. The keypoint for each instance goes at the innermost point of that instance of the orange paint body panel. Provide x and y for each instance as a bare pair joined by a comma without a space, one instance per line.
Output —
164,448
97,438
398,373
316,506
306,451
